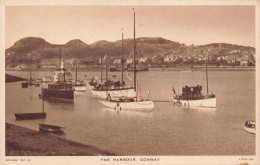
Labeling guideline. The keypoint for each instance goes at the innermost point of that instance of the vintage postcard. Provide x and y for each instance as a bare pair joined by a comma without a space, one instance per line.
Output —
120,82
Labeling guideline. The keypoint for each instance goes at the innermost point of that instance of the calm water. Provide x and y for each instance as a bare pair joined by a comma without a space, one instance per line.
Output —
167,130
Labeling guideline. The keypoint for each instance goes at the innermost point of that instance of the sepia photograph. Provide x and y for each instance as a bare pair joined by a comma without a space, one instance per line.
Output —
130,83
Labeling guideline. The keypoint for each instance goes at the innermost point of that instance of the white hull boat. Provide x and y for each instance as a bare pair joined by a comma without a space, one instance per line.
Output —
80,88
132,105
47,79
250,127
207,103
119,98
114,93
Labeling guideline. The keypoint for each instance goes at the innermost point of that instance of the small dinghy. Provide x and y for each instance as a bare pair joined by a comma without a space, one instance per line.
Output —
250,127
30,116
24,85
51,128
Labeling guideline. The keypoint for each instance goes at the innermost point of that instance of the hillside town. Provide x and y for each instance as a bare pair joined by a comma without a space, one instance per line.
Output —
191,57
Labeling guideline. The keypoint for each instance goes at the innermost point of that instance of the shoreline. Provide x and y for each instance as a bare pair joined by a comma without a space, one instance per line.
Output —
184,68
21,141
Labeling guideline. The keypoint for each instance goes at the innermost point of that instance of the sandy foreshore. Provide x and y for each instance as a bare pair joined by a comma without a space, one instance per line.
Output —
22,141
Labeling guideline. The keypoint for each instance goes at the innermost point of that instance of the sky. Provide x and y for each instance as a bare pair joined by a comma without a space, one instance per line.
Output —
185,24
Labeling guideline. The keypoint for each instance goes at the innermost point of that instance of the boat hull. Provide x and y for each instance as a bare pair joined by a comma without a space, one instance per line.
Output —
250,127
207,102
114,93
135,105
50,128
24,85
62,94
80,88
30,116
250,130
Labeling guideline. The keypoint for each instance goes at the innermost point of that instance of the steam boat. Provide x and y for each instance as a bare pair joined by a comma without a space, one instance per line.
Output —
61,89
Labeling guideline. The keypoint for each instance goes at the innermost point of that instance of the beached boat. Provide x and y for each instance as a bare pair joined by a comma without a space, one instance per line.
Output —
123,103
192,97
101,89
250,127
30,116
51,128
61,89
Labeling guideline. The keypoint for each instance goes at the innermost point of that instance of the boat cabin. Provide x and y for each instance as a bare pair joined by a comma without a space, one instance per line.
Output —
109,85
193,93
60,86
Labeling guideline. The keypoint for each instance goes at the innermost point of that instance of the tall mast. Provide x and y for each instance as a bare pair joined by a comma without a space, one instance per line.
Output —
101,63
42,101
61,65
122,59
31,69
134,55
106,66
207,71
76,69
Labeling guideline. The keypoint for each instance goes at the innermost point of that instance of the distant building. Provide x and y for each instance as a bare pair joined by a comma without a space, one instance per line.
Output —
168,58
48,66
142,60
22,66
129,61
244,63
117,61
82,66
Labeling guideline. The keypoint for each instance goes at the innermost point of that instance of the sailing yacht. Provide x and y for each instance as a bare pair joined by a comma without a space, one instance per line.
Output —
78,86
192,97
31,81
133,103
114,89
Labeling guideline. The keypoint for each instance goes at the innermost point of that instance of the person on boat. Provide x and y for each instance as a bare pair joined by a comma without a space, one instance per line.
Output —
108,97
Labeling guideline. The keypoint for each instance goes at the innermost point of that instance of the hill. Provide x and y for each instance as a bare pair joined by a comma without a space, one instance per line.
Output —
36,49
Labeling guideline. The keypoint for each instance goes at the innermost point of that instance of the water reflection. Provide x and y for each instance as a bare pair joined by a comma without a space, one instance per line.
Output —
128,112
167,130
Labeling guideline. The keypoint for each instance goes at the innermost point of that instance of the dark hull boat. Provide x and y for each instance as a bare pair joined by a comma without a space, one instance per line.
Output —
50,128
30,116
61,91
31,81
24,85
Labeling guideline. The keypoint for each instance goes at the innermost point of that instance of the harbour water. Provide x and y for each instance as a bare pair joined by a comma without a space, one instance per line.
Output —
167,130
